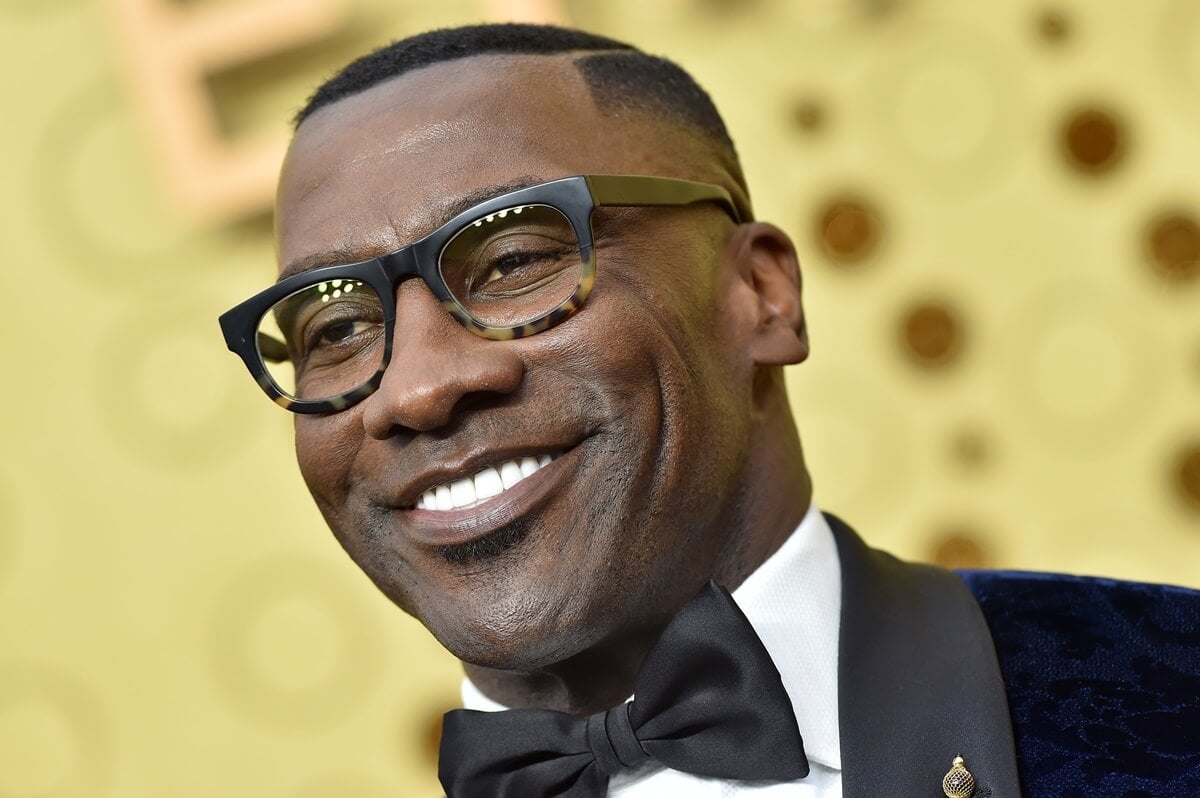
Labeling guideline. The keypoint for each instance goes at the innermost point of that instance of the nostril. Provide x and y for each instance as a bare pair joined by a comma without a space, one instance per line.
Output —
426,388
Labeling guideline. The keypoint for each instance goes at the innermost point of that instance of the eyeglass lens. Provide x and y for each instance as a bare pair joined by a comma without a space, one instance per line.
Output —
505,269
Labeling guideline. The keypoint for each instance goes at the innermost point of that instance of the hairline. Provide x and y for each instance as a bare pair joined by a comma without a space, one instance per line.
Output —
723,148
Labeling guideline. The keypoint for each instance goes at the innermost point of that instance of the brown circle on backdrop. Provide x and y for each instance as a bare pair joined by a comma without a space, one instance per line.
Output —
931,333
1094,140
1053,26
1172,242
809,115
848,229
971,448
1187,474
960,547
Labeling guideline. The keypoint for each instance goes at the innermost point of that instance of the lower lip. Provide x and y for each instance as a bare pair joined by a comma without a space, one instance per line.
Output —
437,528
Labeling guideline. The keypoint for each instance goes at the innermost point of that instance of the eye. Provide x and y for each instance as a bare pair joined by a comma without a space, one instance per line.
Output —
527,265
334,334
339,331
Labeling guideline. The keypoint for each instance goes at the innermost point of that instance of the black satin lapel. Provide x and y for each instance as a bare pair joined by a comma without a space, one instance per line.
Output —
918,680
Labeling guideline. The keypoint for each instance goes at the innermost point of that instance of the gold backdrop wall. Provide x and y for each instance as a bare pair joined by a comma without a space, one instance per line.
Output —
998,212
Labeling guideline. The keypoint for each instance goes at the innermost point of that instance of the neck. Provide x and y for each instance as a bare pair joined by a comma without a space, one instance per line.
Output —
592,681
766,509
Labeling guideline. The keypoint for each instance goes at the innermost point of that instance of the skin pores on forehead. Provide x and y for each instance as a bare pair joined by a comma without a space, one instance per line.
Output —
647,397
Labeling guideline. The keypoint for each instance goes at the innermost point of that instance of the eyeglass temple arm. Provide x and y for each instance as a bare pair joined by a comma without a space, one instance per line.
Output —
638,190
272,351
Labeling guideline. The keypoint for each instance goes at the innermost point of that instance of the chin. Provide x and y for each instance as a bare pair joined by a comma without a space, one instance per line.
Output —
515,620
514,640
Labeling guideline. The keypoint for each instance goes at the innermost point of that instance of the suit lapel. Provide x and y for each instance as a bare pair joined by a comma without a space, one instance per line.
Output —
918,680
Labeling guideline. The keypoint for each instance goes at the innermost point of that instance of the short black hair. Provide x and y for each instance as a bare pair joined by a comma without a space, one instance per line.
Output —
617,74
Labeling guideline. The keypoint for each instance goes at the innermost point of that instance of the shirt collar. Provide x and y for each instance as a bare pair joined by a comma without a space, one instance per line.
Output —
794,602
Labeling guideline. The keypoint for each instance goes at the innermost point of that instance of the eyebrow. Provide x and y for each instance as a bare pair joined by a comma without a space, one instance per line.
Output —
447,211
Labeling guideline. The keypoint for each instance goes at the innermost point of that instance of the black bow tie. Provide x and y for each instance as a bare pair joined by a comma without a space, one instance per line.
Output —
707,700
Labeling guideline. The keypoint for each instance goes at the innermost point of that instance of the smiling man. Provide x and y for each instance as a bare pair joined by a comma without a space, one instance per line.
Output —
534,339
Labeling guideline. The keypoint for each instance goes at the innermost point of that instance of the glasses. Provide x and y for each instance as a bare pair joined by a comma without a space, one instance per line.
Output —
509,267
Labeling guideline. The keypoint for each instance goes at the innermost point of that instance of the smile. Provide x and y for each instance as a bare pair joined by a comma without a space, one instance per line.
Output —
492,481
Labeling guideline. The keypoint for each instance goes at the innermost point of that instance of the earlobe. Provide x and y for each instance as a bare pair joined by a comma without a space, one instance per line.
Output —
768,267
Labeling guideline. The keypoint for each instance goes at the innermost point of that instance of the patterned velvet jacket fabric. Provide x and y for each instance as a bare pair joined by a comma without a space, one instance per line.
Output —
1103,683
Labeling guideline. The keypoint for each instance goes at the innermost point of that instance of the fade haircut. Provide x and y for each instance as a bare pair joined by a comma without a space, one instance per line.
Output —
617,74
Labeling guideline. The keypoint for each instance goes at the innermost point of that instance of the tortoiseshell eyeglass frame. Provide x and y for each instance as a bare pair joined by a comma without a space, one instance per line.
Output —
575,197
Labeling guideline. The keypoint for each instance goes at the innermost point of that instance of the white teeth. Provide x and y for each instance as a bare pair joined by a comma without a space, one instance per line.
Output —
445,500
511,474
488,484
462,492
484,485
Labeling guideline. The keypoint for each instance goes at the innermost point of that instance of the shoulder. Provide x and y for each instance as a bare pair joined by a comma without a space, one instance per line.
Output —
1084,620
1103,680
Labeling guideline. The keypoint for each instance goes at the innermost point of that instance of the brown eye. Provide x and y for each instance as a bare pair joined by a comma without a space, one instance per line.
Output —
512,266
524,268
341,331
324,339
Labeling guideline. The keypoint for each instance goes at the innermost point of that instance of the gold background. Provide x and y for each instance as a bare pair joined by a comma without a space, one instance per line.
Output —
996,207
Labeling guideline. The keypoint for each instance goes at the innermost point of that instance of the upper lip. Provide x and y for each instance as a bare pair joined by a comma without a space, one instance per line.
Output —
467,465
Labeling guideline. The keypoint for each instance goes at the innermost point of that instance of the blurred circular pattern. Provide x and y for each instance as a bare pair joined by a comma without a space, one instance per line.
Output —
945,108
1053,26
960,547
725,8
55,739
848,229
1094,140
852,430
168,390
1187,474
1172,243
1082,364
132,236
931,333
971,448
809,115
290,646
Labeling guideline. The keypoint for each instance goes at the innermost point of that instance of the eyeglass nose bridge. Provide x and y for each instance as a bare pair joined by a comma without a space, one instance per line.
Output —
409,262
400,264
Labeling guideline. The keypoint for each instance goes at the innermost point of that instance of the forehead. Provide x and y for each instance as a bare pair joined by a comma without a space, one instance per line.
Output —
376,170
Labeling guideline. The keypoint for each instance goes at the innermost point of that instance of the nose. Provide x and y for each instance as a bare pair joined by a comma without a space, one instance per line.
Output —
436,366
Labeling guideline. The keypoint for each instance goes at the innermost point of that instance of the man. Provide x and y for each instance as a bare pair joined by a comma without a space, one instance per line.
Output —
542,406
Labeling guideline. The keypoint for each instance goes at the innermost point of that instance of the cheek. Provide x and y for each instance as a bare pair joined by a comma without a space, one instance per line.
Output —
325,450
655,346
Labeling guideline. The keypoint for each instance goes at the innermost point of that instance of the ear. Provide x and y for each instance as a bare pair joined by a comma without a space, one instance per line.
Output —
769,292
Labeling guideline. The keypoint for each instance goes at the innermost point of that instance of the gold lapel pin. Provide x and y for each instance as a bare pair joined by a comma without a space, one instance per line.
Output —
958,783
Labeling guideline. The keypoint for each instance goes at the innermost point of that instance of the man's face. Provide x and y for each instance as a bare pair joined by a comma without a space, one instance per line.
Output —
642,399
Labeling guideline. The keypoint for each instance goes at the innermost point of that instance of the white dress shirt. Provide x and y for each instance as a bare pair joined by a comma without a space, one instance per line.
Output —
794,602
